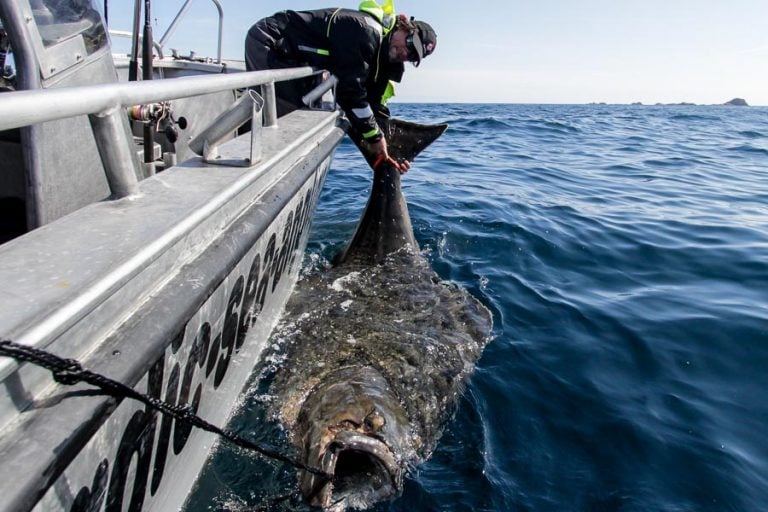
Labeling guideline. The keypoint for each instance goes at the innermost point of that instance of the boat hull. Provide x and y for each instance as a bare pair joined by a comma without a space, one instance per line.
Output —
190,334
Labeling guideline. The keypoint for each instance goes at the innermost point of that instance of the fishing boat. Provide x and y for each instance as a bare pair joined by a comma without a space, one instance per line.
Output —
145,233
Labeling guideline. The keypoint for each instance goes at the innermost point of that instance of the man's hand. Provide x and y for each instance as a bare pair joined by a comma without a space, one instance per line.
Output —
380,149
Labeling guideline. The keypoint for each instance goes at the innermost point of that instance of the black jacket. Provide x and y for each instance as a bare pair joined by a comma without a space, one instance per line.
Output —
351,45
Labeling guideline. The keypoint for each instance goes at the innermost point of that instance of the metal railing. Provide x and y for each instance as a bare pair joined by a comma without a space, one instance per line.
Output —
128,35
24,108
105,106
182,12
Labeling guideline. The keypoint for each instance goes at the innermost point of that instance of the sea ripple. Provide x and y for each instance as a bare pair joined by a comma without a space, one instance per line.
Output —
623,252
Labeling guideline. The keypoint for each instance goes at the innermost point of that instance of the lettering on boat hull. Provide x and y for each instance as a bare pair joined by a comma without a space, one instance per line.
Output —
139,459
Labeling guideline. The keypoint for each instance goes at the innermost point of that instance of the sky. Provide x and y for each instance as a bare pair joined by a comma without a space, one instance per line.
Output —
538,51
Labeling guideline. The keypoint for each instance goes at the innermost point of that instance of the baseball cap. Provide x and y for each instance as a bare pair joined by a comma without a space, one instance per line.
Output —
422,41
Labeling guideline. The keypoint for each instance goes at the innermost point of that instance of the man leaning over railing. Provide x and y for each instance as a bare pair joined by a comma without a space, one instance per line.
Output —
366,49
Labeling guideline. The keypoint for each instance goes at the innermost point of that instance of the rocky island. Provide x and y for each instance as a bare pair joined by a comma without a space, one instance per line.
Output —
735,102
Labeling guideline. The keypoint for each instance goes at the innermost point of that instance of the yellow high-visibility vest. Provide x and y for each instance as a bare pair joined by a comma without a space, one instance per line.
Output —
385,13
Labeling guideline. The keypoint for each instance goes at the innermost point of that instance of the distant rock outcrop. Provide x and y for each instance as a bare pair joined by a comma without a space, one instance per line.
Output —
736,102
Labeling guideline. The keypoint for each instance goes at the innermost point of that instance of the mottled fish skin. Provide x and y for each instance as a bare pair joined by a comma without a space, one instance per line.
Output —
375,351
396,322
422,334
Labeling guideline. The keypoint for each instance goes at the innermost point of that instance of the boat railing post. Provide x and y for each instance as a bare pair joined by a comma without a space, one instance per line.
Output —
120,163
317,93
221,29
270,104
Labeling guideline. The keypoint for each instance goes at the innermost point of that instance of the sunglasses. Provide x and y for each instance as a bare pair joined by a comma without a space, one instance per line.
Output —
412,42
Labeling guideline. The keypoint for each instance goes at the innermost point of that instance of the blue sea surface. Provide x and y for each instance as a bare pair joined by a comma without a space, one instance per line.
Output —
623,251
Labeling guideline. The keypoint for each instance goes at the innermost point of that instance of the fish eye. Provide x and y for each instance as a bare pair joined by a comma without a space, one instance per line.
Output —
374,421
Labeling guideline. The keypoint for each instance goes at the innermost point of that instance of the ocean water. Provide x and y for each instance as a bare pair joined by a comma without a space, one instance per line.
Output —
623,252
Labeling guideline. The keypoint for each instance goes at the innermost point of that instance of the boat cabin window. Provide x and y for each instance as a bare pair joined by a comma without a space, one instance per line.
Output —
7,65
61,20
13,221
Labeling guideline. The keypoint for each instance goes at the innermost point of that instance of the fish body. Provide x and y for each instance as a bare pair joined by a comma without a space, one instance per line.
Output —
376,351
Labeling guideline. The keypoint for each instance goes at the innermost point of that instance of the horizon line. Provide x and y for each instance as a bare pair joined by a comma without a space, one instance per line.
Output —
596,104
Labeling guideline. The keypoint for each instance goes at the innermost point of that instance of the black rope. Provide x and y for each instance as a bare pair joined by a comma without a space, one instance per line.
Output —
70,372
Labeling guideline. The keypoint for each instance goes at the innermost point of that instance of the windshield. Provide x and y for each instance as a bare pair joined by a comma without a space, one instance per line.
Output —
59,20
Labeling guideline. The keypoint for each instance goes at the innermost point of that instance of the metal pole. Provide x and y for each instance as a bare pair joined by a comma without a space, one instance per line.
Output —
133,66
116,154
270,104
149,128
221,29
317,93
146,55
169,32
257,146
182,12
125,33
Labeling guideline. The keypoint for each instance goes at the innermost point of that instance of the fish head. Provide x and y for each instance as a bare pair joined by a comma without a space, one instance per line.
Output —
355,429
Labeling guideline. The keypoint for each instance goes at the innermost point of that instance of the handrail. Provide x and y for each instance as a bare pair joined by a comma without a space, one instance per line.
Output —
221,29
24,108
182,12
126,34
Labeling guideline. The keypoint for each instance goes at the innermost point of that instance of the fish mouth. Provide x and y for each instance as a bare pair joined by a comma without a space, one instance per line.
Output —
364,472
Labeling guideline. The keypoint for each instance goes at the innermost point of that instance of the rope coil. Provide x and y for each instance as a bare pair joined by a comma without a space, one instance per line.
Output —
70,372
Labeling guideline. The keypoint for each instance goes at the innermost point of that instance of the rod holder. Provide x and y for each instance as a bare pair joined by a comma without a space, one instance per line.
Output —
120,163
256,127
207,142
